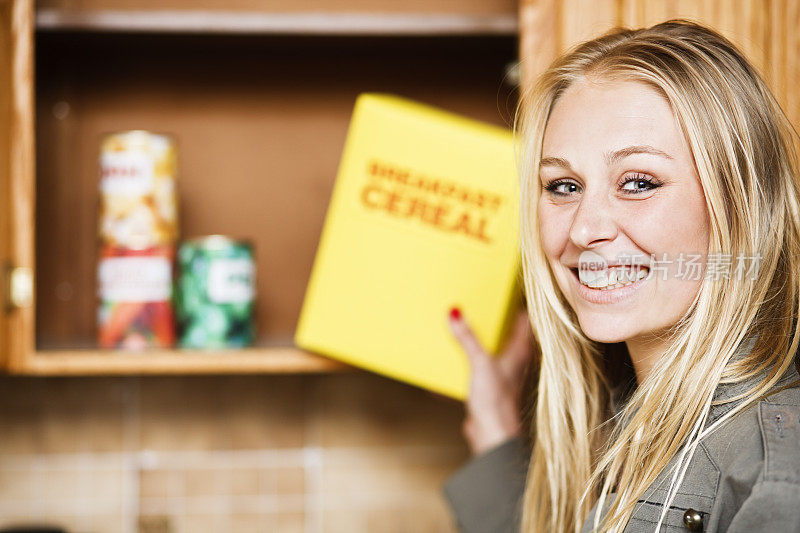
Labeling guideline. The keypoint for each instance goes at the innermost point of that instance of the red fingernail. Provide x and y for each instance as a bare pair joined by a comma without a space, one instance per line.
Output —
455,313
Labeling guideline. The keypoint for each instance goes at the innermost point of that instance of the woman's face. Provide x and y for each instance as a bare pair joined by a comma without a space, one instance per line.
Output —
619,189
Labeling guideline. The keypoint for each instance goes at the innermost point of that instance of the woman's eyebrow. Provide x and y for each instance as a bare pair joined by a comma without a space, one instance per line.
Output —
611,157
616,155
555,162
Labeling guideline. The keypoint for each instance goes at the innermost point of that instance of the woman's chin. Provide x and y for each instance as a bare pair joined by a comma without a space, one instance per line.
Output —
605,332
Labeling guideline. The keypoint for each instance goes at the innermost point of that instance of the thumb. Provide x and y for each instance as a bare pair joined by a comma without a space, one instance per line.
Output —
463,333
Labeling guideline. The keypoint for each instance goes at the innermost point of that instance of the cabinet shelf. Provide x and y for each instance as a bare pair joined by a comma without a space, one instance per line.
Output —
271,360
299,23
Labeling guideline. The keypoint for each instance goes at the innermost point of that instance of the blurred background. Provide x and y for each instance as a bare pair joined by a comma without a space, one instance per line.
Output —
257,97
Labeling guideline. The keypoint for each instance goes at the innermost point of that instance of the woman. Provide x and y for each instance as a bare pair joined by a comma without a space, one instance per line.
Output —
660,239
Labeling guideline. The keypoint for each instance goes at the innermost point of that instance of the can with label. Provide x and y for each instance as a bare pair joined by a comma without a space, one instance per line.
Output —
135,290
215,295
138,204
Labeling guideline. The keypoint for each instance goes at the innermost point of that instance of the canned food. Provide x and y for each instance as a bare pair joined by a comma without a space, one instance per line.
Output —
215,294
135,290
138,204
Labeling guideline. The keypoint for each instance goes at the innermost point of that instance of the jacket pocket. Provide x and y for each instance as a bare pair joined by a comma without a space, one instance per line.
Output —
646,515
694,496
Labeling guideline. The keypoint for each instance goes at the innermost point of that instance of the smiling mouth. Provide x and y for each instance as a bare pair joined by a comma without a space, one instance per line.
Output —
610,278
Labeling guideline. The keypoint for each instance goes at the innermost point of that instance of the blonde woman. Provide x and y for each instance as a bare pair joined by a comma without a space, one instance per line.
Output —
660,206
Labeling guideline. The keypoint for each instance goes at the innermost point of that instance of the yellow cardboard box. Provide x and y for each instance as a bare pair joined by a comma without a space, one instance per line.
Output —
424,215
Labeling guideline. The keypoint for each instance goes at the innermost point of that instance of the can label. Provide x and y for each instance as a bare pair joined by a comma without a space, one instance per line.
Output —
138,204
126,173
135,290
230,281
135,279
216,293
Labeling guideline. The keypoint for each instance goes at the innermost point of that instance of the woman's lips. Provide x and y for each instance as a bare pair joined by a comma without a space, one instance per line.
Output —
605,296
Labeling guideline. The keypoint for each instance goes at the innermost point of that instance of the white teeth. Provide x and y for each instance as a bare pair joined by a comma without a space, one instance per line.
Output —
600,279
612,278
592,269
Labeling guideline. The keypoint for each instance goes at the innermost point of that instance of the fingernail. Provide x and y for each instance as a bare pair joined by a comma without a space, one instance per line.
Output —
455,313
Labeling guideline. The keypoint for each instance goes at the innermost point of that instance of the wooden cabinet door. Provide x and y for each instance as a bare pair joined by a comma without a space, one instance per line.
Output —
767,32
16,183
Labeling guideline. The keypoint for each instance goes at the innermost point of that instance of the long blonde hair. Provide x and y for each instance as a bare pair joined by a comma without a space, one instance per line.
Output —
743,149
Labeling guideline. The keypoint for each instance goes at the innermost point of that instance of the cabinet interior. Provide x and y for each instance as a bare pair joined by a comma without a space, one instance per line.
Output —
260,122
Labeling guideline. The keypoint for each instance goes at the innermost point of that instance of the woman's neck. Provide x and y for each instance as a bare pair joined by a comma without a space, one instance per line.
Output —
644,352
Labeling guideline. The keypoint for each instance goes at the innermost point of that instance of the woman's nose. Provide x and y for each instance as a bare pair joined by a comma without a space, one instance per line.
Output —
593,223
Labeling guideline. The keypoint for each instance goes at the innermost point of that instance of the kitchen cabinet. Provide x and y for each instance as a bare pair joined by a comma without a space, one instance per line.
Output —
258,96
767,31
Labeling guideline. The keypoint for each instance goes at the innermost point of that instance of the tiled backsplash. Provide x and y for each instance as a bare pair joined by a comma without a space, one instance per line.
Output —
346,452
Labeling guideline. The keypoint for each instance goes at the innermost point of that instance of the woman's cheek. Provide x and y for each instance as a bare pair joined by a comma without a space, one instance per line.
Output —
552,233
671,225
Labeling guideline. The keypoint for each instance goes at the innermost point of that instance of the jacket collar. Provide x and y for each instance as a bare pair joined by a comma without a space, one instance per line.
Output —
722,400
724,392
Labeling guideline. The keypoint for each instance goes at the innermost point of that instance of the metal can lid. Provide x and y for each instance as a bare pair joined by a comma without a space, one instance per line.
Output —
159,143
218,242
140,134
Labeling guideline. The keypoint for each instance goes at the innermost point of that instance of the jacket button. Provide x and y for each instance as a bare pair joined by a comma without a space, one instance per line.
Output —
693,520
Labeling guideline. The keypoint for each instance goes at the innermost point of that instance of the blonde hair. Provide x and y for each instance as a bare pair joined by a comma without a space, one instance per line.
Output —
743,149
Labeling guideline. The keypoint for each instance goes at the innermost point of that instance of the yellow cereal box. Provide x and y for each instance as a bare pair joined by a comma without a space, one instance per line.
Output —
424,215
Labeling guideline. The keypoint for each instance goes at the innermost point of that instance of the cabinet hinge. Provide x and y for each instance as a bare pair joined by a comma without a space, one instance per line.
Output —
19,288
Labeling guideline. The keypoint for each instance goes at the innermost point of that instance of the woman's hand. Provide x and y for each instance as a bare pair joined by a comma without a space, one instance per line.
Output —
493,404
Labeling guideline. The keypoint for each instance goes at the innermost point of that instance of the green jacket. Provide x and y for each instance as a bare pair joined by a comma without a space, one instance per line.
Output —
743,478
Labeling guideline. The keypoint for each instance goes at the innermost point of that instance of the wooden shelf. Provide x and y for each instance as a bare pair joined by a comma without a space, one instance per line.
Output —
239,22
159,362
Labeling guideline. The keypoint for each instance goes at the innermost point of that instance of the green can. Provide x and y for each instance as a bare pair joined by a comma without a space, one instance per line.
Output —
215,296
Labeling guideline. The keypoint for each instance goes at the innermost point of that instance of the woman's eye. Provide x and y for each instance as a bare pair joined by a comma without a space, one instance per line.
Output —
639,183
562,187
